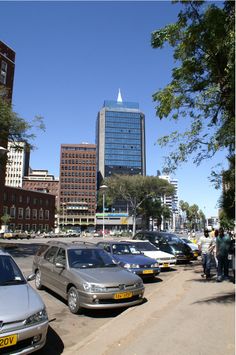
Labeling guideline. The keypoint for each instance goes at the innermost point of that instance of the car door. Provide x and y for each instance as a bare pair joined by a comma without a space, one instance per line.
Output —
46,267
60,273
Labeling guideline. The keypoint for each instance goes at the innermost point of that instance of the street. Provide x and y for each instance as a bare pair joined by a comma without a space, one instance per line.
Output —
97,329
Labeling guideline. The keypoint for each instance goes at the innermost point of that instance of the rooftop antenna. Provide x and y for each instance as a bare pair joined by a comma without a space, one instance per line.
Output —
119,98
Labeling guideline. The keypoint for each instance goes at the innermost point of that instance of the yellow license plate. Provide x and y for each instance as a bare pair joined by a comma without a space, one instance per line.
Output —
118,296
147,271
8,341
166,265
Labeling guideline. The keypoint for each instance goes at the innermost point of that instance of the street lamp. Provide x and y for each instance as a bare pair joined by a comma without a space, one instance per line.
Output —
103,189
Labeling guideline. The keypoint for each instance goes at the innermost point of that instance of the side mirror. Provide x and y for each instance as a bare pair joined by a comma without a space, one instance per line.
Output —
30,277
60,265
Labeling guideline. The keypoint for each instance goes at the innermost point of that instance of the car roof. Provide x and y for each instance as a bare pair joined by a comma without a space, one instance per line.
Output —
72,245
115,242
3,252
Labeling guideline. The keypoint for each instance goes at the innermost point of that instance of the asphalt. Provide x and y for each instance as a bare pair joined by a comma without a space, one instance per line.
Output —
184,315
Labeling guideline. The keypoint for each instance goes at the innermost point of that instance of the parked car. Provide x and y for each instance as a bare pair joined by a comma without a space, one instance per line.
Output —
193,246
129,257
169,243
86,276
23,316
165,260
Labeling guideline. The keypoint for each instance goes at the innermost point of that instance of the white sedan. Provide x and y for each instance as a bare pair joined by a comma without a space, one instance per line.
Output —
164,259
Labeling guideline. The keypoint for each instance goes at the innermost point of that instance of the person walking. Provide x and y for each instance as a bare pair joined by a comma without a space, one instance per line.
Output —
204,244
222,252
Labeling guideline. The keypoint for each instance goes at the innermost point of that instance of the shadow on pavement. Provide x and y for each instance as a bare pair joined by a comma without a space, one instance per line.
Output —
225,298
54,344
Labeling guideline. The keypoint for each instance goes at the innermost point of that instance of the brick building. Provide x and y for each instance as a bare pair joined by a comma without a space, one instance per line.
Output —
78,187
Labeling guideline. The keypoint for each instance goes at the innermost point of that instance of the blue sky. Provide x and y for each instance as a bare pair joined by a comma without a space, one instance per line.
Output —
71,56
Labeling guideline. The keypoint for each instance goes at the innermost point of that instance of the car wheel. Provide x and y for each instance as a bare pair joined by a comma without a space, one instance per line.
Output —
38,282
73,300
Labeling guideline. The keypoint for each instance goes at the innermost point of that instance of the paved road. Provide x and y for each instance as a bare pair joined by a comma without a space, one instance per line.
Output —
66,329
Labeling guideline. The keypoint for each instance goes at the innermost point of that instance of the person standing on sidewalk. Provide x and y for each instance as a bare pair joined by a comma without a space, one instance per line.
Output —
203,244
222,252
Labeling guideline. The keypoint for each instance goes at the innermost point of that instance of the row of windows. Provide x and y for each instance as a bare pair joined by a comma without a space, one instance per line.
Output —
76,167
121,141
123,158
122,124
77,187
77,162
118,135
136,147
121,152
122,114
79,155
74,180
72,173
125,164
24,199
77,193
26,213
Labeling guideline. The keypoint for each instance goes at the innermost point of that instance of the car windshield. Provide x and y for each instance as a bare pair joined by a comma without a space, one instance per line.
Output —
172,239
145,246
10,274
89,258
123,248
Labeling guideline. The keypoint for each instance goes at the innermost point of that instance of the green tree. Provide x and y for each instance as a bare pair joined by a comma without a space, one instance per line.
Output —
202,89
195,218
136,189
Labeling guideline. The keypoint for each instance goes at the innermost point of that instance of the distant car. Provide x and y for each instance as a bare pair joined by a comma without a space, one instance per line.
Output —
165,260
193,246
85,276
23,316
169,243
129,257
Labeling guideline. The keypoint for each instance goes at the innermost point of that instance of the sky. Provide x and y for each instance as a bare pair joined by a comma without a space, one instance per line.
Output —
71,56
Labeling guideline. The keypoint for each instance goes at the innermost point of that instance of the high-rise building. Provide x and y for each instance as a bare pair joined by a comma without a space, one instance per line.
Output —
17,163
7,68
78,185
171,201
120,139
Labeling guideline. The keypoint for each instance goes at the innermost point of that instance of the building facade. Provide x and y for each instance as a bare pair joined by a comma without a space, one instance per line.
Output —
41,180
7,68
78,186
120,139
17,167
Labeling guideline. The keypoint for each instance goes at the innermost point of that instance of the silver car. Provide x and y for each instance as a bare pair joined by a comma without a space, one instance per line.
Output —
85,276
23,317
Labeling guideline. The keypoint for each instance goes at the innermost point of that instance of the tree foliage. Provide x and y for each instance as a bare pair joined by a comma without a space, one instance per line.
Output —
202,85
136,189
14,128
195,218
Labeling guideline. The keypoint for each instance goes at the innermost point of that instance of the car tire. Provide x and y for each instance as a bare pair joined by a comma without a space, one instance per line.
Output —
73,300
38,283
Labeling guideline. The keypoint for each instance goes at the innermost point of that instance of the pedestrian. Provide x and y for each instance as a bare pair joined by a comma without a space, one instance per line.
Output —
203,245
222,253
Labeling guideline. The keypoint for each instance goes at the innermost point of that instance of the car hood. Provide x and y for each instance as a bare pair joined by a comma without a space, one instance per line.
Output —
181,247
106,276
158,254
134,259
17,302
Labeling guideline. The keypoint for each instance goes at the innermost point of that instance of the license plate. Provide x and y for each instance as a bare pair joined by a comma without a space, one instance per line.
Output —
118,296
147,271
8,341
166,265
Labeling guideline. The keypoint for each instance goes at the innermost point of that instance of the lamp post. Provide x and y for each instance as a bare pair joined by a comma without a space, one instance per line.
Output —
103,189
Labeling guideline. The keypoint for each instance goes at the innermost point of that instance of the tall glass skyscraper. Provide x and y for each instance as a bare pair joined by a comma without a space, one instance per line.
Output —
120,139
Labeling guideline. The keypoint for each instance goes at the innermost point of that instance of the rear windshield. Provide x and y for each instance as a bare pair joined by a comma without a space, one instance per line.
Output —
123,248
89,258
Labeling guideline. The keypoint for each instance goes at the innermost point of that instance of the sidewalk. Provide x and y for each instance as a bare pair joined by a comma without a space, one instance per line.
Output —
184,315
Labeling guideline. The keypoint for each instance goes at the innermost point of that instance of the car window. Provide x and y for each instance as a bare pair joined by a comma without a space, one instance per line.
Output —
60,257
10,274
89,258
107,248
50,254
146,246
123,248
42,249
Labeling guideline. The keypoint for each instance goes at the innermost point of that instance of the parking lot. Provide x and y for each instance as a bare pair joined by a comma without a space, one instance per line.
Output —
65,328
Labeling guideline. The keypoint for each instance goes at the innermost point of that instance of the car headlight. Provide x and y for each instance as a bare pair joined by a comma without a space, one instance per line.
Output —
93,287
155,265
38,317
139,283
131,266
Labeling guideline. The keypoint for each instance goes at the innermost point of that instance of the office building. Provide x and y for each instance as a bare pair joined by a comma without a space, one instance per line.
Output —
78,186
17,163
120,139
171,201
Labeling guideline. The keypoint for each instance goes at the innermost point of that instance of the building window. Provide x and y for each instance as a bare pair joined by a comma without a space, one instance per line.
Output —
34,214
27,227
13,212
20,227
34,227
20,213
27,213
5,210
47,214
41,213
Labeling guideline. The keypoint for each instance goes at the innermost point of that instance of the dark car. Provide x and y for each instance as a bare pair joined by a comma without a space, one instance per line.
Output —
169,243
128,256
